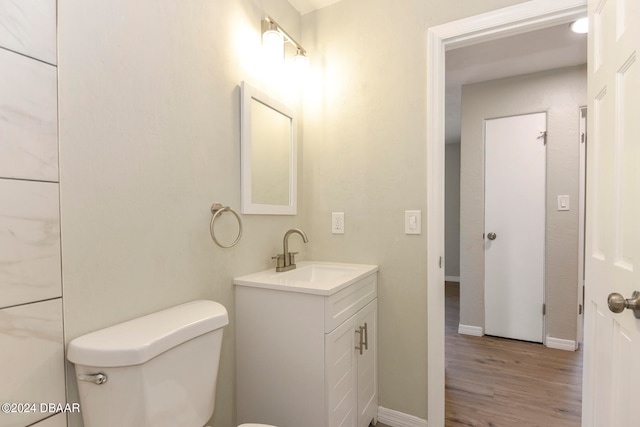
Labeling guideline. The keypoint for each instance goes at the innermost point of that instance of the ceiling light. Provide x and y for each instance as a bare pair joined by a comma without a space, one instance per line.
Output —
581,26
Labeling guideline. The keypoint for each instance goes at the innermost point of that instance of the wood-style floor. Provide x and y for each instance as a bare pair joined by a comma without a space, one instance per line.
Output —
506,383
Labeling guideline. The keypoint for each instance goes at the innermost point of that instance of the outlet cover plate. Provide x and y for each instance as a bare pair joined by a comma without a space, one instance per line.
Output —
337,222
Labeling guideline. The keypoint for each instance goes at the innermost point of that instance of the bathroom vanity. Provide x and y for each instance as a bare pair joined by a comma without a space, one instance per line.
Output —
306,350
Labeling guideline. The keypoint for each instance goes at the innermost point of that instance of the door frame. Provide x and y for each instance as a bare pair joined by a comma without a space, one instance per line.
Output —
582,135
521,18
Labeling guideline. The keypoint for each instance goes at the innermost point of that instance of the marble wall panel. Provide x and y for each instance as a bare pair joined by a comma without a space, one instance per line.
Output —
31,360
29,27
29,118
29,242
59,420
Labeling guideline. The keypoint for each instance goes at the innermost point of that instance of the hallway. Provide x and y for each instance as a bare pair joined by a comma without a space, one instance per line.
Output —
504,383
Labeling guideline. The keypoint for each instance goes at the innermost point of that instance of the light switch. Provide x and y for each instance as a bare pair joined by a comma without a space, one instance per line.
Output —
412,222
563,203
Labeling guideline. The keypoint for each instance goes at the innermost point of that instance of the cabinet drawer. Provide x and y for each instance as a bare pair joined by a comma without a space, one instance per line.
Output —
344,304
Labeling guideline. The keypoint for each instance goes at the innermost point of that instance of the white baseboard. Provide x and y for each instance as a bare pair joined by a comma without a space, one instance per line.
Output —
476,331
399,419
560,344
452,279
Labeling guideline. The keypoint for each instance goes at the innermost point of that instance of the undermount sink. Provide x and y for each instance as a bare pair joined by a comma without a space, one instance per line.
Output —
322,278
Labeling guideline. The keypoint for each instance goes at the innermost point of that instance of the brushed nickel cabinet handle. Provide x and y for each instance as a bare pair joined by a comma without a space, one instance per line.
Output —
361,345
366,336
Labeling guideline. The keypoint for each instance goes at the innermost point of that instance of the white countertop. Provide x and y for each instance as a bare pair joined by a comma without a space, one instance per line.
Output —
310,277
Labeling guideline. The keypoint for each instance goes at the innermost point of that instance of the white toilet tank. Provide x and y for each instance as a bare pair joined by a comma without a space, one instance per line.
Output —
160,369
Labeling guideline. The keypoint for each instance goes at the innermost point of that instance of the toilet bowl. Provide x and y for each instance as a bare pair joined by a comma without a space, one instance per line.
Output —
158,370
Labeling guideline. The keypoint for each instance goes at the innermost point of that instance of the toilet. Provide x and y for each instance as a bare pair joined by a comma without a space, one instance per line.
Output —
158,370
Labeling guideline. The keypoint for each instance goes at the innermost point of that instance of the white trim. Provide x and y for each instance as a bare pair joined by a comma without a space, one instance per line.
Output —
435,224
560,344
581,218
476,331
517,19
399,419
452,279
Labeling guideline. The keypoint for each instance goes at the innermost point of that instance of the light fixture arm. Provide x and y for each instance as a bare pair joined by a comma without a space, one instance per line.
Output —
268,23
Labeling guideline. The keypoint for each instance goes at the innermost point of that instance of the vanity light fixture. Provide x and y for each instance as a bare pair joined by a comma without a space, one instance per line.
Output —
275,39
581,26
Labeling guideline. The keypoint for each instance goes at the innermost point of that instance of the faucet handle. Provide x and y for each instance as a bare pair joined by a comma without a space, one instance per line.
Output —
279,260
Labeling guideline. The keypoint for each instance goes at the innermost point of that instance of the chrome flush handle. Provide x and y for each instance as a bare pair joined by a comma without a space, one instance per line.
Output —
98,379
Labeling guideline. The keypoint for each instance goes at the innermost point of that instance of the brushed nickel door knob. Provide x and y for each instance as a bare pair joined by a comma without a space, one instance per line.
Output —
617,303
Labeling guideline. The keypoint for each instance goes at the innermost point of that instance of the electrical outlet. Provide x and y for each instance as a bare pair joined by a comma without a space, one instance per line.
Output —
337,222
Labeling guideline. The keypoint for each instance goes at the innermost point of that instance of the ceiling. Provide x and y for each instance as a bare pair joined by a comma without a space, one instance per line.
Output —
306,6
546,49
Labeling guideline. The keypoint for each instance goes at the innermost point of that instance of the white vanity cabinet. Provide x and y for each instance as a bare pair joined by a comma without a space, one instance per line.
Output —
307,357
351,370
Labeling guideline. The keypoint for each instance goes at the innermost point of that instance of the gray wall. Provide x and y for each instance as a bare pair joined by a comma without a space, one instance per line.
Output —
149,139
365,155
452,210
560,93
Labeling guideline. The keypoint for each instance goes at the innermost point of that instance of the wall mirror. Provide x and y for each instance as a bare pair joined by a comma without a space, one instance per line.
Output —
268,154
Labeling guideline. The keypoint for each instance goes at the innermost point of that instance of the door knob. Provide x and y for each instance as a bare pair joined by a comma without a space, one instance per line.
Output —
617,303
492,236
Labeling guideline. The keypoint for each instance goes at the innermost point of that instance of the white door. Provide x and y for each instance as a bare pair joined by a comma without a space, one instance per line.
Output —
515,181
612,341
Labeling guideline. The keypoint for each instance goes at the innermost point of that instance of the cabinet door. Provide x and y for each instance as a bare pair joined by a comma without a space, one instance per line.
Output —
341,374
367,363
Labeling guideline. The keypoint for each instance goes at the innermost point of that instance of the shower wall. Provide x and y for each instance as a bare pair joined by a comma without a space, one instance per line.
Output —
31,325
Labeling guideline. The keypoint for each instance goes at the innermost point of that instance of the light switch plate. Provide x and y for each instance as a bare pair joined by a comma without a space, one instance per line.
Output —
413,222
563,203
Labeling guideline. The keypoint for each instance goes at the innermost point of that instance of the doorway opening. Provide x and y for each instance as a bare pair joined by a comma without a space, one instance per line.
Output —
506,22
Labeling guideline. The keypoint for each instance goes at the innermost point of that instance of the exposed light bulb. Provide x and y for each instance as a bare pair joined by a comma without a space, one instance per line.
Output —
581,26
273,43
301,61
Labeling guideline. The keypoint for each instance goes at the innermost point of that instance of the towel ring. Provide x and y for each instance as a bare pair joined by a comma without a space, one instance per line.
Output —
217,209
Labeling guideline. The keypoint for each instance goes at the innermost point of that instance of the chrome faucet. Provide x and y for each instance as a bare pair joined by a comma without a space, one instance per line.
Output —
286,260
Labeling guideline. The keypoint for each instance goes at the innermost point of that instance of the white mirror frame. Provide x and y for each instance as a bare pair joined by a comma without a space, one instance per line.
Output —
247,206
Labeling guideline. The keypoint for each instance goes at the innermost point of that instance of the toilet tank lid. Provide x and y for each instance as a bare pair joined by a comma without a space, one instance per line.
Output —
139,340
